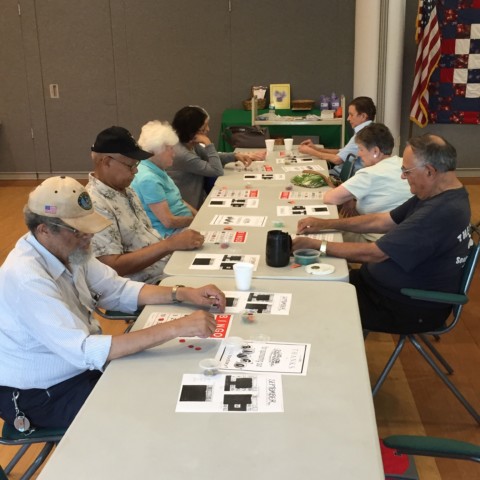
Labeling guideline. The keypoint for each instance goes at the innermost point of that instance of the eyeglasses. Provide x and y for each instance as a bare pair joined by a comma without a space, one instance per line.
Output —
406,171
76,232
129,166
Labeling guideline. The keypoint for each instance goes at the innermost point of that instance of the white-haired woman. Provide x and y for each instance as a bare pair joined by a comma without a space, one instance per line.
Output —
160,196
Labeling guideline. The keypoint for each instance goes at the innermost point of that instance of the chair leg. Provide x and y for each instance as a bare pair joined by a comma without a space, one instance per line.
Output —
16,458
389,365
437,354
447,382
47,448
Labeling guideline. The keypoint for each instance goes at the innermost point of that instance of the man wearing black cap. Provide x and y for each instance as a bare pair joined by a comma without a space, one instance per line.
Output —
131,246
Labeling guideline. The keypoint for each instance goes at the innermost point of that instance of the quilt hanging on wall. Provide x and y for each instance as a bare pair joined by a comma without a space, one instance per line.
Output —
450,32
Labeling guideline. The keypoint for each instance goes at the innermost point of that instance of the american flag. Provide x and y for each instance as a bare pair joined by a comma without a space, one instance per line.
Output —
428,54
50,209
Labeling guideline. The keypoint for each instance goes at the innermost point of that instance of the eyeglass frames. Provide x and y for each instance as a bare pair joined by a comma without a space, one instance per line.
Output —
406,171
76,232
130,167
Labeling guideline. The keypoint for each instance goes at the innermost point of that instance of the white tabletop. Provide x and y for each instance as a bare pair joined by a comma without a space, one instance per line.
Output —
269,199
128,427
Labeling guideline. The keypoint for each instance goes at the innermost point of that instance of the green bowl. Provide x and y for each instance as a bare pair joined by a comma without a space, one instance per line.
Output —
306,256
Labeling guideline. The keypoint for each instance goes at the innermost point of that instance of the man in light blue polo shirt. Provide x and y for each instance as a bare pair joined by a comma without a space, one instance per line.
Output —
361,112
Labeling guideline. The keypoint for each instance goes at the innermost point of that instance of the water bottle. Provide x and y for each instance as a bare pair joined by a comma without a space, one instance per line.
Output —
335,102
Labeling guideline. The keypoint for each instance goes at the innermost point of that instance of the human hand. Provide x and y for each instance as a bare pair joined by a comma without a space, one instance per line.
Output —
349,209
201,138
305,242
305,148
198,324
308,141
309,225
245,158
206,296
258,156
187,240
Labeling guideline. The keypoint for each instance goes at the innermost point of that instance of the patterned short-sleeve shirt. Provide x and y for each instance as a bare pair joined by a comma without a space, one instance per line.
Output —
131,228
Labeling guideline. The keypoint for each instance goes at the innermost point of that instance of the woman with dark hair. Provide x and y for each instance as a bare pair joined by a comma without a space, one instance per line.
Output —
196,158
376,188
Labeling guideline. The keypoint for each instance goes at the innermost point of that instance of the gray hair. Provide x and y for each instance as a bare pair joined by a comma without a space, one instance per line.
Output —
434,150
156,136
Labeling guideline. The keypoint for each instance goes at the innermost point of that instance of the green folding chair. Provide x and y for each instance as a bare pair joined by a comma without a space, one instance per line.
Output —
12,437
347,168
416,445
458,300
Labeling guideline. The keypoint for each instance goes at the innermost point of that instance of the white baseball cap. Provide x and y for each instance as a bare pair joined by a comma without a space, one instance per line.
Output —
66,199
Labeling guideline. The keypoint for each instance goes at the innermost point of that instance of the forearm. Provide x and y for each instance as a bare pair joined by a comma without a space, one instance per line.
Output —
333,151
337,196
177,221
133,342
356,252
133,262
370,223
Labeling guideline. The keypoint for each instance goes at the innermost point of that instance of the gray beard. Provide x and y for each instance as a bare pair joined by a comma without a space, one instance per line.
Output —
80,256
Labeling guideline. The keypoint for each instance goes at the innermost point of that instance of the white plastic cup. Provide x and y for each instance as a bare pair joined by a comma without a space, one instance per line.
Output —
269,144
288,144
243,275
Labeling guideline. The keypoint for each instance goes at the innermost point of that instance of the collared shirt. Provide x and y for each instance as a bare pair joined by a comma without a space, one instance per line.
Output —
153,185
130,231
47,334
350,148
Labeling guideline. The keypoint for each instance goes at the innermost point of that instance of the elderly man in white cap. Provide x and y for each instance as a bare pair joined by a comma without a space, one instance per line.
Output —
51,347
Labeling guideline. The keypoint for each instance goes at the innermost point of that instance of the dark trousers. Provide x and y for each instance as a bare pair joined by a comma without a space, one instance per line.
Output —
382,314
54,407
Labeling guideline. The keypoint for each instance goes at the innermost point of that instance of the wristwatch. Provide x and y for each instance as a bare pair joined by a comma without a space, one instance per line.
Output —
323,248
174,293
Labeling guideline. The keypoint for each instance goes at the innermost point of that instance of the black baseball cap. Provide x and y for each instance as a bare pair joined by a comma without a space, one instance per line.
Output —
119,140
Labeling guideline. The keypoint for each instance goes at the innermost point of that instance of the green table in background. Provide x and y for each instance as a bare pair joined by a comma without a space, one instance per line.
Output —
329,134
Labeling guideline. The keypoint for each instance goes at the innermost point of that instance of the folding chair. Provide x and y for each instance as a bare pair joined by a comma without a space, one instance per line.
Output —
410,445
12,437
347,168
129,318
458,300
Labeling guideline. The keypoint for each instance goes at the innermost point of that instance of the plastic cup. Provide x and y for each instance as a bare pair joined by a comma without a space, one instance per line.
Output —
243,275
269,144
288,144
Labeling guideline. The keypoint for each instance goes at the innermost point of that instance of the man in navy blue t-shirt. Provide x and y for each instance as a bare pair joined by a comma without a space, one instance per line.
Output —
425,244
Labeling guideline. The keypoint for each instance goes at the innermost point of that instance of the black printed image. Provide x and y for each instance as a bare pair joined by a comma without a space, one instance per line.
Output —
299,210
202,261
267,177
237,403
196,393
259,307
320,209
238,203
226,266
232,258
233,383
231,301
217,202
260,297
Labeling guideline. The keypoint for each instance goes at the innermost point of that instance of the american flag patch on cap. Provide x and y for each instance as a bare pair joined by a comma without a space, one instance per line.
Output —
50,209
